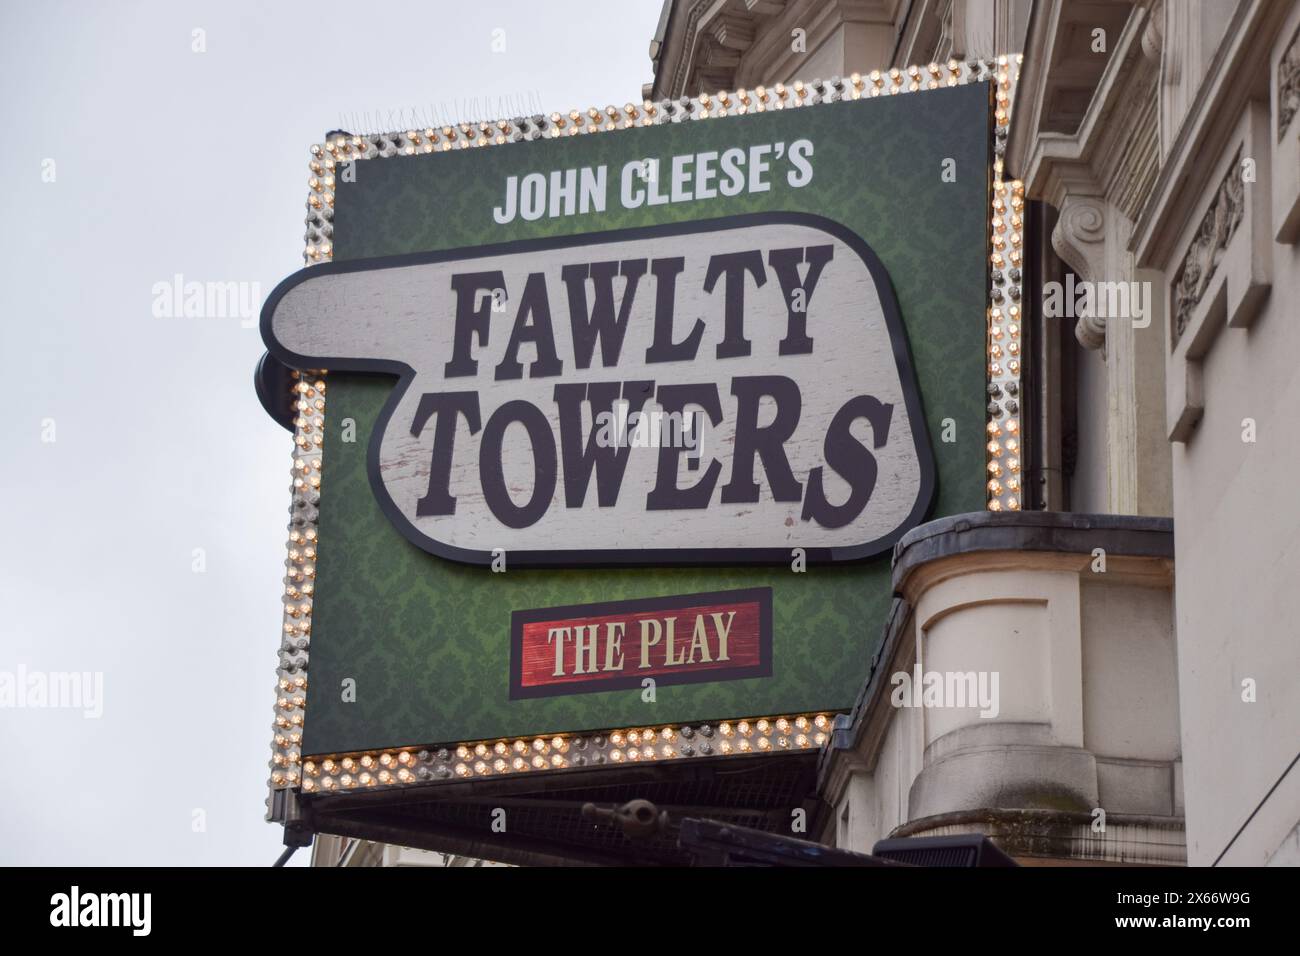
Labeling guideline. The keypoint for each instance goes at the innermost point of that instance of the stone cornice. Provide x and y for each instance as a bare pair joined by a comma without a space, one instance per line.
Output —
773,46
1028,107
1054,165
1077,171
1050,531
1028,124
711,45
677,48
1211,122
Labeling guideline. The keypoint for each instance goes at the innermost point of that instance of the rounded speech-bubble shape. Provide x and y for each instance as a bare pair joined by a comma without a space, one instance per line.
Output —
775,337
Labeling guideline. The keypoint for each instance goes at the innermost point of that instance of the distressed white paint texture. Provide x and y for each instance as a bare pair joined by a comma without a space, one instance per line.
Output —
407,313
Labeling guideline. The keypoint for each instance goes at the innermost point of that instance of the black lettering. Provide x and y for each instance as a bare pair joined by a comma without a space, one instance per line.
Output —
472,318
767,443
785,262
734,265
663,348
492,472
600,322
666,496
610,460
536,305
438,499
851,461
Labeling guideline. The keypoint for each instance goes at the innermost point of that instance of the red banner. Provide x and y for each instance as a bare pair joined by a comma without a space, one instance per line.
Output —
689,638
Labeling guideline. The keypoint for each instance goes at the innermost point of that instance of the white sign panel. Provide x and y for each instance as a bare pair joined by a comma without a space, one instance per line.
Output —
714,392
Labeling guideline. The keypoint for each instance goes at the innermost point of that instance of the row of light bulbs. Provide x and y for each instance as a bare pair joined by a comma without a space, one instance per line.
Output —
560,751
1006,236
344,148
308,402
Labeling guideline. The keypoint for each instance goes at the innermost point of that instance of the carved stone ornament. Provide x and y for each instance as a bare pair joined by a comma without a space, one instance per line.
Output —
1288,85
1079,241
1153,37
1212,238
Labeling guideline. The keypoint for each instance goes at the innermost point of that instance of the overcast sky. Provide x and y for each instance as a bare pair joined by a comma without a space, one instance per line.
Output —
131,440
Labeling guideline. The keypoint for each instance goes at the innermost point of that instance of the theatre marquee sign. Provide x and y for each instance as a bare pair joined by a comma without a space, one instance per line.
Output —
605,423
718,391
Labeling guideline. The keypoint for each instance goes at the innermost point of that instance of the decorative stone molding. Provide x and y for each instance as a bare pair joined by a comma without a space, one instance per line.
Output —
1153,37
1080,241
1063,81
1285,73
1079,236
703,52
732,31
1131,839
1288,85
1218,226
1219,126
1223,273
1083,140
949,44
710,45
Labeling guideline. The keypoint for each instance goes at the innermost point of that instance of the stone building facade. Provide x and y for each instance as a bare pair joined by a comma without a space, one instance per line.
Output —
1150,711
1138,612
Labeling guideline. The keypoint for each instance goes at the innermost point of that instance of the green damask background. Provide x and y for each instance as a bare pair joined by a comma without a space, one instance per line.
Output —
427,641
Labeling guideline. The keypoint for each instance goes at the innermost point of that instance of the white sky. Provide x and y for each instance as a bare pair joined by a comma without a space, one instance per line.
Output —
169,161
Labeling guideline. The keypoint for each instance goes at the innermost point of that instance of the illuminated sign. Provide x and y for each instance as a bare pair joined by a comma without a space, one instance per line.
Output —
605,422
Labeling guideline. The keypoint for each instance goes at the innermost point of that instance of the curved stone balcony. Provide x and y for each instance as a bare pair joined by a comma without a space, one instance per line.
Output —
1026,687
